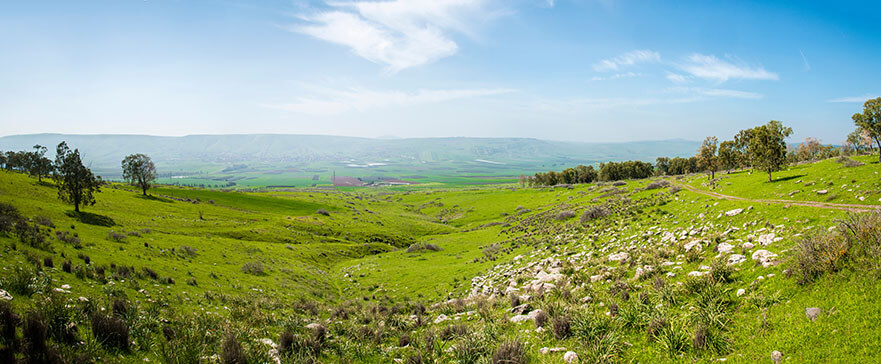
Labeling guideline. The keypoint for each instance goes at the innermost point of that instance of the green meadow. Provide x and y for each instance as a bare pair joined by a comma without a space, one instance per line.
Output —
632,271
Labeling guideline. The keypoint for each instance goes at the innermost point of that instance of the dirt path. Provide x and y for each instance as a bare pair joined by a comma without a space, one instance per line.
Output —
817,204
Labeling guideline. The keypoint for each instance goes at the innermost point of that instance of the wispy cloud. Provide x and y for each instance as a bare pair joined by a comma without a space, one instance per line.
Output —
716,92
400,33
711,68
324,101
627,59
676,78
616,76
807,66
859,99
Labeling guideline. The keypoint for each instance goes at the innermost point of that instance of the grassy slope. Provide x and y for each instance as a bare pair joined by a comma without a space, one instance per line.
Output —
334,257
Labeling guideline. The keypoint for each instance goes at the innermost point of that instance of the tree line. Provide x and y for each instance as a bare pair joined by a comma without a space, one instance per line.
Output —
763,148
75,182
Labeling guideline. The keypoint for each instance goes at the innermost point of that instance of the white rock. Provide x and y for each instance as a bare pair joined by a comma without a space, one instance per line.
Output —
822,192
734,212
748,246
441,318
764,257
544,351
622,256
695,273
740,292
776,356
519,319
570,357
694,244
5,295
725,248
736,259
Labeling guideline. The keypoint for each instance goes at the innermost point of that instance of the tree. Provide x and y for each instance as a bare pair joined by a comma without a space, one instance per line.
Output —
767,146
38,164
809,150
741,142
870,121
139,170
76,183
707,156
662,165
857,140
728,155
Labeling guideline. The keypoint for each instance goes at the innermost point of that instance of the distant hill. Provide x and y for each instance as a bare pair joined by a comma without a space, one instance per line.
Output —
104,152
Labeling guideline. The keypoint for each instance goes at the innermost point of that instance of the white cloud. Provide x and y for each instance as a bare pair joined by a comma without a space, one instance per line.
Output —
616,76
711,68
859,99
627,59
676,78
807,66
716,92
400,33
332,102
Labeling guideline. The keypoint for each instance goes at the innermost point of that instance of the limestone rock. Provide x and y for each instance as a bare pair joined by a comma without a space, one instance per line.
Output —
813,312
734,212
570,357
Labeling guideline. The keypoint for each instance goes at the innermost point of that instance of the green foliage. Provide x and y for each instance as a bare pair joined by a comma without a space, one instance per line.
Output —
139,170
76,183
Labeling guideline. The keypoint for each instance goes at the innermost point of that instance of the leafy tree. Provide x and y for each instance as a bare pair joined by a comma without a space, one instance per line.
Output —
76,183
728,155
809,150
707,156
857,141
662,165
870,121
139,170
38,164
741,143
767,146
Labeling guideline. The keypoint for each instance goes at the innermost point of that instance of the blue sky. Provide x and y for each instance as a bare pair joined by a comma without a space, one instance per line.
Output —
590,70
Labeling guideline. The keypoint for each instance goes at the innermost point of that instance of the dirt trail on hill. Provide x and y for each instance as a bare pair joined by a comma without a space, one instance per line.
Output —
817,204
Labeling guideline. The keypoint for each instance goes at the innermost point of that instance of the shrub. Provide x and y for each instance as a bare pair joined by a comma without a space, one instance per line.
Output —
656,185
593,213
188,251
9,216
8,321
674,190
231,351
68,238
671,337
47,261
562,327
720,271
32,235
816,254
565,215
322,212
115,236
541,318
255,268
35,334
510,352
111,331
863,234
149,272
471,349
423,246
66,266
453,331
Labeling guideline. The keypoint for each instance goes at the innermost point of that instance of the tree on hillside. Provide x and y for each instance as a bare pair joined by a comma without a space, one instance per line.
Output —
741,143
662,165
139,170
707,156
870,121
809,149
728,155
38,164
767,146
857,140
76,183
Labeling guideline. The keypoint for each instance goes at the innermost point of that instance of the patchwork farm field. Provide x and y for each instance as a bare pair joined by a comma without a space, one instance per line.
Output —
661,270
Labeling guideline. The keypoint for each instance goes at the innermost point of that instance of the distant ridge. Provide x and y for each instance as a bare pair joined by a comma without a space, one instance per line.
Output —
104,152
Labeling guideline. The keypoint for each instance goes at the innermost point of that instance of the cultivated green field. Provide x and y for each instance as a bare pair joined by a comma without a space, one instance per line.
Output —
635,271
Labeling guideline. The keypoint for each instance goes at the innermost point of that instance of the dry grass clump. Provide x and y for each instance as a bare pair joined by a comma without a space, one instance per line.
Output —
593,213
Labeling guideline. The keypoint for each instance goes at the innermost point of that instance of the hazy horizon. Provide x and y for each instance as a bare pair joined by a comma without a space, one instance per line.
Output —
581,71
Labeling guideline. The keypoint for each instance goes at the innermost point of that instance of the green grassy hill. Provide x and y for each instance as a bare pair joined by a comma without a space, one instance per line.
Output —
638,271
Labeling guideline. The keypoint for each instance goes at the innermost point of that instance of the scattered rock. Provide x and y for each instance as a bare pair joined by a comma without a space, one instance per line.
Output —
5,295
736,259
748,246
521,309
813,312
820,192
570,357
724,248
622,256
519,319
441,318
734,212
765,258
741,292
694,244
776,356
